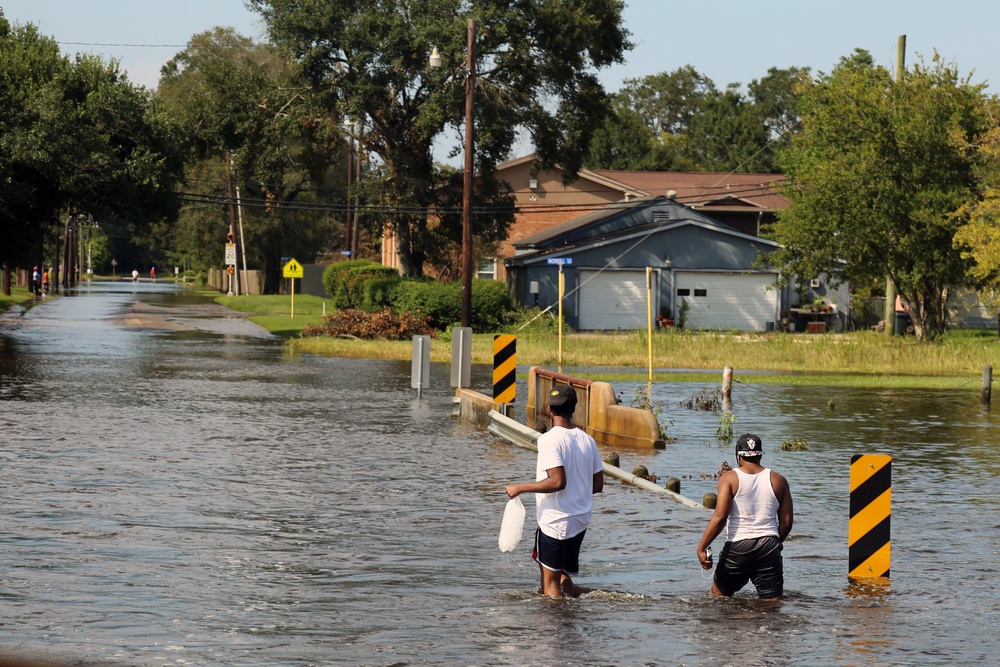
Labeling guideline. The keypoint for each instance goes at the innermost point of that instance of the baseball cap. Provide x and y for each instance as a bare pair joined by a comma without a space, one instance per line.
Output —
749,446
562,395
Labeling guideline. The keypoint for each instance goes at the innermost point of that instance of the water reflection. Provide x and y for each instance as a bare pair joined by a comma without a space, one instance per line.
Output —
192,494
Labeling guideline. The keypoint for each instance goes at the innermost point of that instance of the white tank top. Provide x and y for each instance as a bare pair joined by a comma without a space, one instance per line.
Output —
754,512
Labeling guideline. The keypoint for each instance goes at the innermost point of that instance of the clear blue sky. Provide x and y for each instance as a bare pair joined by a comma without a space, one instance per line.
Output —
727,40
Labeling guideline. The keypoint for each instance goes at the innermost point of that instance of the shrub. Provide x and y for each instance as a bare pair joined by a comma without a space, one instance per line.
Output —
377,292
491,303
381,325
344,281
440,302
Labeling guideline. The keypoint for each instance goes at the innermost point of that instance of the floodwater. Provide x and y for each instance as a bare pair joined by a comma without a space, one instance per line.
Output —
178,489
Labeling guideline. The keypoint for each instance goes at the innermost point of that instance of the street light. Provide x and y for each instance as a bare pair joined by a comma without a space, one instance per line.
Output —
470,90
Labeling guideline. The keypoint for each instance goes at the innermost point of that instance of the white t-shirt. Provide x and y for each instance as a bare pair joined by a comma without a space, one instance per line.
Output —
567,513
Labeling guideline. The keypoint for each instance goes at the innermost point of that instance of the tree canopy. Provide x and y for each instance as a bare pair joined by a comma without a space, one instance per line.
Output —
248,115
535,68
681,121
76,135
877,174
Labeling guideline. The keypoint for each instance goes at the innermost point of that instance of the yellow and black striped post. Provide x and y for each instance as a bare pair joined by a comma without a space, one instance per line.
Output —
504,368
868,529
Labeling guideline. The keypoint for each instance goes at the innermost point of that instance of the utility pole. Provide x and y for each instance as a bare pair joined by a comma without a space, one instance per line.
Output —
350,174
890,285
232,213
470,93
357,195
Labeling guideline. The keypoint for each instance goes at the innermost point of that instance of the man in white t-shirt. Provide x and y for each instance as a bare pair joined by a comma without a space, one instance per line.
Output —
755,506
568,473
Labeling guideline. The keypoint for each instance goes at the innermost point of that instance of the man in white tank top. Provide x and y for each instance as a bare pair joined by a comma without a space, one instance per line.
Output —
755,506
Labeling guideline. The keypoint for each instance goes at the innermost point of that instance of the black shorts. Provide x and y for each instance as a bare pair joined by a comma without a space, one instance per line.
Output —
558,555
757,560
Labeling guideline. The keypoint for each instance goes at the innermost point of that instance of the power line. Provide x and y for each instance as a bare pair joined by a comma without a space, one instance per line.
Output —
130,46
522,210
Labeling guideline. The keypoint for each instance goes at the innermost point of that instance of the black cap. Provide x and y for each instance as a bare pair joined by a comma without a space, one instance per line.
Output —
749,446
562,395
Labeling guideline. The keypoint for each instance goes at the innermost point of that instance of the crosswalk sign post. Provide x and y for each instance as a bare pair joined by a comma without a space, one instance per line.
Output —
292,270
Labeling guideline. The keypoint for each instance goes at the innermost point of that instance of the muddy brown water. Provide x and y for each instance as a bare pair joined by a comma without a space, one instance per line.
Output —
178,489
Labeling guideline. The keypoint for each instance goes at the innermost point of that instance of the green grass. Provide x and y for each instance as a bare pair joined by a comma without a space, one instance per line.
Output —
275,304
273,311
863,359
18,295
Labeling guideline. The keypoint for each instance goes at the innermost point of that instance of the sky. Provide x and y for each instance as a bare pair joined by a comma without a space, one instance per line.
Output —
727,40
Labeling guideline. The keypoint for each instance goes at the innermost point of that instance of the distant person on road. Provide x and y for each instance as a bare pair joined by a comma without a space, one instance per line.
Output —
568,473
152,273
755,505
36,281
135,275
45,282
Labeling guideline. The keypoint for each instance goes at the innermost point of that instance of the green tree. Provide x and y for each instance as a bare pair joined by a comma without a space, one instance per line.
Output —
877,174
729,136
625,142
245,111
681,121
535,73
775,99
75,135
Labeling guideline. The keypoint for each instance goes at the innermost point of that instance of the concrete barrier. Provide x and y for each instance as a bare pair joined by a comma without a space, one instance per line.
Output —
597,412
475,408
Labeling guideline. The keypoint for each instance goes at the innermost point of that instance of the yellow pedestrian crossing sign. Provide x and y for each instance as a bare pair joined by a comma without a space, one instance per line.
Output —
292,270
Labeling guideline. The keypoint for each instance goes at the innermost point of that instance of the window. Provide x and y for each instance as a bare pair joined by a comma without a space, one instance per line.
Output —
487,269
701,292
683,292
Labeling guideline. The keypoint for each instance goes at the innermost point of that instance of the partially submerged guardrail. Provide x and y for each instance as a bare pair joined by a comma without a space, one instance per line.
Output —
597,412
527,438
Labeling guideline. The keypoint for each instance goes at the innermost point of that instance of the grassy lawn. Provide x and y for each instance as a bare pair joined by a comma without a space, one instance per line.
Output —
18,295
861,358
274,311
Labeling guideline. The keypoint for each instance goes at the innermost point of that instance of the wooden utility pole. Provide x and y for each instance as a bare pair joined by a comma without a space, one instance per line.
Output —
470,93
890,285
357,195
348,228
232,216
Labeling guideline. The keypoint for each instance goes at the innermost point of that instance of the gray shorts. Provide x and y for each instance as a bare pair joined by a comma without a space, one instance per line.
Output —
757,560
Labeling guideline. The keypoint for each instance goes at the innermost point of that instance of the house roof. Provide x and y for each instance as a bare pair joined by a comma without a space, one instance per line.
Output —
617,222
707,190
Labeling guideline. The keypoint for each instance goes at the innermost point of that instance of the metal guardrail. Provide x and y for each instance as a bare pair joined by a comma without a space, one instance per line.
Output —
527,438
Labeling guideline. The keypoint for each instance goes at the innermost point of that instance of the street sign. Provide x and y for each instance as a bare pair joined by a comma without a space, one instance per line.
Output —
560,260
345,253
292,270
230,253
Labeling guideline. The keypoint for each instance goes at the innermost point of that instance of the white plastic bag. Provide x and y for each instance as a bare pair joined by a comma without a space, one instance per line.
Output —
512,525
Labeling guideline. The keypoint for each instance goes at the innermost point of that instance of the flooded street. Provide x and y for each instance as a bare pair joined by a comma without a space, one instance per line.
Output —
178,489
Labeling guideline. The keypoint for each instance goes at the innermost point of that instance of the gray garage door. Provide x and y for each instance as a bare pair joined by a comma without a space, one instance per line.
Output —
744,302
612,300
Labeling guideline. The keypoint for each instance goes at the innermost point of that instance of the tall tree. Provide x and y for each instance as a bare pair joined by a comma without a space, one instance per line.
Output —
535,70
249,116
681,121
979,236
877,174
75,133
